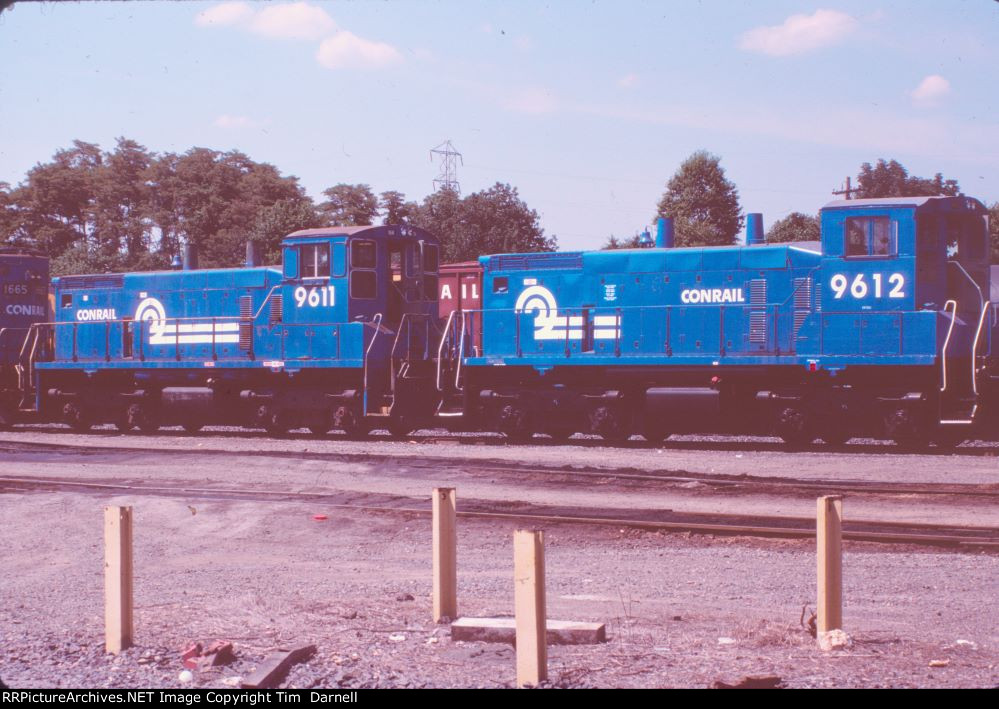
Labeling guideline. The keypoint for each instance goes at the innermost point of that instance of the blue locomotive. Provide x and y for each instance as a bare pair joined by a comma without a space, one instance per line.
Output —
24,282
885,328
341,336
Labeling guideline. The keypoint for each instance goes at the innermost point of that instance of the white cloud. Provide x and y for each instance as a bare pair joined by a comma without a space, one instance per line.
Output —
800,33
345,50
227,13
297,20
228,122
532,100
628,81
930,90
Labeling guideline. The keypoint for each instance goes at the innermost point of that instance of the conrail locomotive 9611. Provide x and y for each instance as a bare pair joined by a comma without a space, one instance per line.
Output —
886,328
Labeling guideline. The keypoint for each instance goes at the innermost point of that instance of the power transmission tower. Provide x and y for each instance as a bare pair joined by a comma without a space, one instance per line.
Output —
848,191
448,177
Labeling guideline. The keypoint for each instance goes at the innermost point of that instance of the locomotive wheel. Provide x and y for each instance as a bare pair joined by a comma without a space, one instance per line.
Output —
608,424
903,427
515,423
76,416
193,426
654,433
560,433
400,426
947,439
320,425
348,419
794,426
278,424
836,437
6,415
269,418
137,415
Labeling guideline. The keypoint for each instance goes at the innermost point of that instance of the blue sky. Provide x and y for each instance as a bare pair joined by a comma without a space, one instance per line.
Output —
587,107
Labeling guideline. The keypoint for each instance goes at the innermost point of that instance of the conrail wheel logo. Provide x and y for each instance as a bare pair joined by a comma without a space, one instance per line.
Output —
549,325
153,316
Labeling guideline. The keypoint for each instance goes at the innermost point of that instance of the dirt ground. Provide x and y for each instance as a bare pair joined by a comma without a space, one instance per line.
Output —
681,611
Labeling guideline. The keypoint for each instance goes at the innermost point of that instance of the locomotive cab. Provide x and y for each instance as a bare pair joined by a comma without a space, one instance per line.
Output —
904,281
367,295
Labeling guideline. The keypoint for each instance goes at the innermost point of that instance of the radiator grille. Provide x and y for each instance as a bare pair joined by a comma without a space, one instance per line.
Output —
802,301
758,311
277,301
108,280
531,262
245,322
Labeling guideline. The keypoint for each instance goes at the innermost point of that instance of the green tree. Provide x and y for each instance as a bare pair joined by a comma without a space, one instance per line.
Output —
212,200
491,221
395,209
703,203
614,243
794,227
888,178
276,221
129,209
349,205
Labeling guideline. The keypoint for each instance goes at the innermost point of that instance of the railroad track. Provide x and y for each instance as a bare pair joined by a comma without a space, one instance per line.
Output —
904,533
476,467
710,442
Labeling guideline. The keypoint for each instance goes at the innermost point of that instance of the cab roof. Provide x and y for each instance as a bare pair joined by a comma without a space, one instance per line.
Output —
968,203
390,231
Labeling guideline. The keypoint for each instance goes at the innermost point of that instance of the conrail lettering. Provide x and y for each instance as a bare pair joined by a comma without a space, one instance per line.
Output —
712,295
96,314
35,310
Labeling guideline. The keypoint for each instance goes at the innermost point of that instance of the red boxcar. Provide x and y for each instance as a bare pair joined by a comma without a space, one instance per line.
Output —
460,288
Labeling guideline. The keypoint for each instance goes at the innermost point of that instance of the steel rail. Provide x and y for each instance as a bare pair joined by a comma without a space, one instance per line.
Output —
805,529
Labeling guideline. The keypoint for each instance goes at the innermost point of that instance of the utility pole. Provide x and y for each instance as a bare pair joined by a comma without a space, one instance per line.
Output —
848,191
447,179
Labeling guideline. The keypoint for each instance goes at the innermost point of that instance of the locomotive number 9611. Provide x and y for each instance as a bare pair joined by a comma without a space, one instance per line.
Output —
314,297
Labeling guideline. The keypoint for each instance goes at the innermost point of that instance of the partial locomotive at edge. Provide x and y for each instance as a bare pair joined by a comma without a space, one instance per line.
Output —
887,328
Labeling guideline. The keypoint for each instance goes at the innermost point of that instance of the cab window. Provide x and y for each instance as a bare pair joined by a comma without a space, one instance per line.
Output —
870,236
430,258
363,284
314,260
362,254
363,277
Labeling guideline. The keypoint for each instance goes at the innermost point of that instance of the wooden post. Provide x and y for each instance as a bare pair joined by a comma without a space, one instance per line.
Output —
117,578
829,533
529,606
445,555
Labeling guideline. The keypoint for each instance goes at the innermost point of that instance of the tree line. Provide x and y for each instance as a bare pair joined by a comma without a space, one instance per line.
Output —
704,204
130,209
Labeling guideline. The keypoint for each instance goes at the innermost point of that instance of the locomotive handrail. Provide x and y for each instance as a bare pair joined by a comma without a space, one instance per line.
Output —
981,323
777,324
946,344
440,348
461,353
266,300
974,349
376,323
